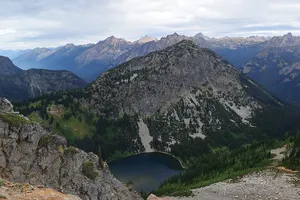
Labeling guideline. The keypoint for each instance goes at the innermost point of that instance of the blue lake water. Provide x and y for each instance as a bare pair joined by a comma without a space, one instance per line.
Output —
146,171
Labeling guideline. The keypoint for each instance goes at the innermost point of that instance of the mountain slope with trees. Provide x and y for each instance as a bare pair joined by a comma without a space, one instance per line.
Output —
182,100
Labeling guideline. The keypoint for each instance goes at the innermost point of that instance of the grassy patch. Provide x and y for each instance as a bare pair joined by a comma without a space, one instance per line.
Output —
88,170
35,117
73,127
14,119
71,150
44,141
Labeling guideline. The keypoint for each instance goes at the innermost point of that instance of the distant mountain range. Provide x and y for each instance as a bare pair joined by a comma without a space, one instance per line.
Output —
258,57
89,61
277,66
18,84
177,100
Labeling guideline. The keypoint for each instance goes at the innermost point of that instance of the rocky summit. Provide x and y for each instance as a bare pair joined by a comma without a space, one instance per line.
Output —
17,84
182,89
30,152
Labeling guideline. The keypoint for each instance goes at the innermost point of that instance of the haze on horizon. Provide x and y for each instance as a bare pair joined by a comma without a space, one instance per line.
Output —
50,23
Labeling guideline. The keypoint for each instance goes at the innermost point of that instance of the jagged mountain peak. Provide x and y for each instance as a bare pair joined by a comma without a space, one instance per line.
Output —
201,36
289,34
287,40
69,45
146,39
174,35
112,39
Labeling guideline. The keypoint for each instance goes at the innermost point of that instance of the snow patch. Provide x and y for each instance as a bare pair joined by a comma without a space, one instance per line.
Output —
133,77
145,136
199,130
245,112
192,101
174,114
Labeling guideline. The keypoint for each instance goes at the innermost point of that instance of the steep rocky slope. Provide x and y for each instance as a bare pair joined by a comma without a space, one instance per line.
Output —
276,67
182,89
17,84
30,152
179,100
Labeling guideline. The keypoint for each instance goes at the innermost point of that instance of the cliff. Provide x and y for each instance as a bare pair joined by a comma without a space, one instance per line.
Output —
30,152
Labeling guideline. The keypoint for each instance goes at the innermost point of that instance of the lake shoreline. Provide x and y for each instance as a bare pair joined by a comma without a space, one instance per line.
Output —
183,167
147,170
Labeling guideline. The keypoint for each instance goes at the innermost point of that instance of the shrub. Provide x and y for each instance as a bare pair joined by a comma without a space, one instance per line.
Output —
89,171
71,150
44,141
14,119
1,183
61,149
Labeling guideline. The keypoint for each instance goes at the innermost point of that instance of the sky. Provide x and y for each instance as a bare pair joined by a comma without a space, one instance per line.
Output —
49,23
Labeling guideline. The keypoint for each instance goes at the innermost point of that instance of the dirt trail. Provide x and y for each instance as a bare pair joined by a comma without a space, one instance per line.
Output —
17,191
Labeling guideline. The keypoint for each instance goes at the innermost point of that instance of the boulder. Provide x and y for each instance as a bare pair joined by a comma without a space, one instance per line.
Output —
5,105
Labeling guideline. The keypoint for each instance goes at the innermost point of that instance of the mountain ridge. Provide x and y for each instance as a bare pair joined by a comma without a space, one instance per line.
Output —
179,100
17,84
97,58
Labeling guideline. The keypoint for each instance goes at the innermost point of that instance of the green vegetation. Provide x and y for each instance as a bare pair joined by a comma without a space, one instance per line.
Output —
14,119
217,166
1,183
293,161
88,170
3,197
44,141
82,127
71,150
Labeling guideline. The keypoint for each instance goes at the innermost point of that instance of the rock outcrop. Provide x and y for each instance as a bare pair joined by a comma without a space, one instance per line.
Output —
5,105
30,152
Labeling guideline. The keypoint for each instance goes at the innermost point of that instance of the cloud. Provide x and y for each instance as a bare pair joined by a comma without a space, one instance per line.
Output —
32,23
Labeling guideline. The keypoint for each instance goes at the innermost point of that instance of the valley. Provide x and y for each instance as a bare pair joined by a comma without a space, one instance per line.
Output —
183,100
17,84
217,106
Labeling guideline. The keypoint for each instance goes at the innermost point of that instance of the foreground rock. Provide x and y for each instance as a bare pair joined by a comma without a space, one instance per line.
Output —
267,185
5,105
13,191
30,153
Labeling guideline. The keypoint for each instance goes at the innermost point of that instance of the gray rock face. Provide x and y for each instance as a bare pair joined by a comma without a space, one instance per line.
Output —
31,153
147,84
5,105
182,89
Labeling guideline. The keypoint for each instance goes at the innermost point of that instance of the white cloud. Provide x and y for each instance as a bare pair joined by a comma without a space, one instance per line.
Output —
31,23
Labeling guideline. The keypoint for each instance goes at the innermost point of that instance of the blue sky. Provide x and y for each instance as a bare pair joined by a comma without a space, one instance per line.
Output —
45,23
